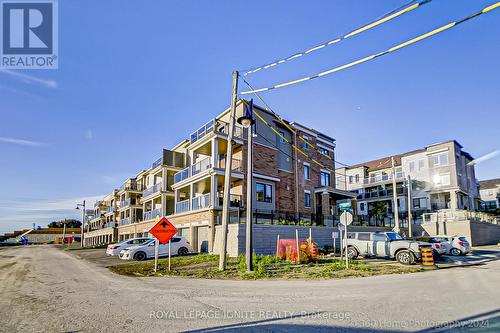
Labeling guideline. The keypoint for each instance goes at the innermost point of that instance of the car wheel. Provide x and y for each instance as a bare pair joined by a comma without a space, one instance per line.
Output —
182,251
352,253
405,257
140,256
455,252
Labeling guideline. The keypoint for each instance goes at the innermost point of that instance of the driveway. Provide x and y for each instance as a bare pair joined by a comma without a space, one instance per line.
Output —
45,289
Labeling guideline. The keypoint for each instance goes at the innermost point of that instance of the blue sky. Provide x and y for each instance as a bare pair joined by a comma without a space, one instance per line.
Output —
136,77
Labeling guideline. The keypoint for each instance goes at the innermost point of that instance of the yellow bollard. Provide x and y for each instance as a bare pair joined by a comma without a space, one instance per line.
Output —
427,257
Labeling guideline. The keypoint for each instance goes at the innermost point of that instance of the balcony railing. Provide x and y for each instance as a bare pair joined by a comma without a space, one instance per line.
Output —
203,201
151,190
125,221
234,200
98,203
379,194
381,178
194,169
110,225
131,187
215,126
110,210
152,214
182,206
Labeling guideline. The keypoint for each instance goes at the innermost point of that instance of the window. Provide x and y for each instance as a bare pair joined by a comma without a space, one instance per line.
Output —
350,179
419,203
305,146
379,237
393,236
440,159
263,192
325,178
421,164
307,199
362,206
307,171
363,236
412,166
281,140
442,179
356,178
324,151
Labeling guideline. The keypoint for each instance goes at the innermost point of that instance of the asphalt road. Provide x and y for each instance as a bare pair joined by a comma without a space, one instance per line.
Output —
43,289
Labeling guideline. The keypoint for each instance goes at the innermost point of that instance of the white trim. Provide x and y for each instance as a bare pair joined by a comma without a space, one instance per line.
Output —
325,171
303,129
271,178
307,191
283,170
305,163
324,147
437,151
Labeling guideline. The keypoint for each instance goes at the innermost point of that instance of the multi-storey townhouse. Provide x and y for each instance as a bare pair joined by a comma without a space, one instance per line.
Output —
101,227
490,194
441,174
187,183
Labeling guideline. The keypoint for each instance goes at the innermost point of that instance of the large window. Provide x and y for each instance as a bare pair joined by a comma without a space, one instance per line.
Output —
325,178
307,199
324,151
442,180
440,159
307,172
263,192
281,138
419,203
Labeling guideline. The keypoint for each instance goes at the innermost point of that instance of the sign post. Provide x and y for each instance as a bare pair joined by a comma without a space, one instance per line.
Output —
335,235
345,220
163,231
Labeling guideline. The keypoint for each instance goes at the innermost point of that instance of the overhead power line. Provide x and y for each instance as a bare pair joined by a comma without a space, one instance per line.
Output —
284,123
373,56
315,161
410,6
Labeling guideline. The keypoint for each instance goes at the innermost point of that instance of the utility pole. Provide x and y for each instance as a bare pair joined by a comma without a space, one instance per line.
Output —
227,174
395,198
410,227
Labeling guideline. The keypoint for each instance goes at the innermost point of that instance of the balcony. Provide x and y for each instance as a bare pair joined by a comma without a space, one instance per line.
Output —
203,201
379,194
110,210
131,187
151,190
125,221
381,178
203,165
215,126
152,214
234,200
109,225
182,206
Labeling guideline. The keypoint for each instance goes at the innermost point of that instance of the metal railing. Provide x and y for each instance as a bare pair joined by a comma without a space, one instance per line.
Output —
446,215
280,217
379,194
215,126
381,178
182,206
131,187
153,189
125,221
124,203
110,210
234,200
152,214
157,163
200,202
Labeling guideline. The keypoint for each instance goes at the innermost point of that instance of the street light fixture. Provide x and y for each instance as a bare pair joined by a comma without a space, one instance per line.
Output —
78,205
247,121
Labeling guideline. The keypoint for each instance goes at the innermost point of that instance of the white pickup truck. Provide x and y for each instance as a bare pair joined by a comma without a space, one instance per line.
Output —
383,244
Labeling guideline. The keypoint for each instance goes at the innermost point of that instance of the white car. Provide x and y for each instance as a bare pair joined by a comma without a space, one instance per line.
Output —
456,245
180,246
114,249
439,245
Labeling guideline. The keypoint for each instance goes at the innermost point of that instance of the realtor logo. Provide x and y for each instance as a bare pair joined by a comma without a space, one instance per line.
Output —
29,34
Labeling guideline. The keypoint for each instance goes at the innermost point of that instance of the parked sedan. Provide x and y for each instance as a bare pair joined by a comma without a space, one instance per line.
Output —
180,246
439,246
114,249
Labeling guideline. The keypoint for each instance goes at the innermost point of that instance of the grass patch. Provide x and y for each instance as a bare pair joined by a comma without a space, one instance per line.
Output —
76,247
265,267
